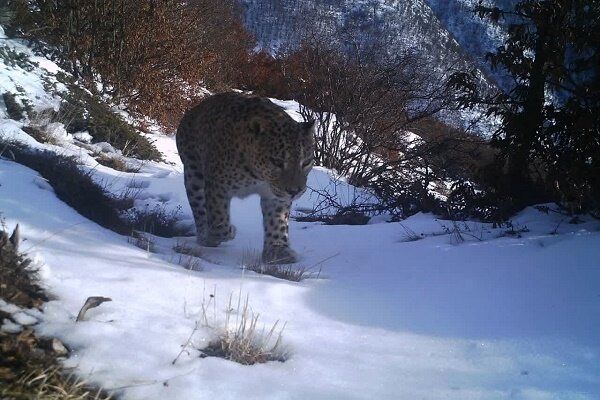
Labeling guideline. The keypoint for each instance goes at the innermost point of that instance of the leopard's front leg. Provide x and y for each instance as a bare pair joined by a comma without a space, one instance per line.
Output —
276,249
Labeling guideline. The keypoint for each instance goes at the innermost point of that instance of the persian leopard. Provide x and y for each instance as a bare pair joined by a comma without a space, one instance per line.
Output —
234,145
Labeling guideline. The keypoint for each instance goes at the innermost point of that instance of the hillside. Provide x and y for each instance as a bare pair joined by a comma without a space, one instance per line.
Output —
446,36
422,308
446,32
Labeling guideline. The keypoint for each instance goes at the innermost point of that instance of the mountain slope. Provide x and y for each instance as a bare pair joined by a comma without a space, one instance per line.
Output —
446,32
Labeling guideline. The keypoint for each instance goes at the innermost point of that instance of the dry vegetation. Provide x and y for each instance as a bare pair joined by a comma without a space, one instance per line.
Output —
157,220
72,185
14,110
368,104
79,190
29,367
152,55
253,262
243,341
141,241
115,162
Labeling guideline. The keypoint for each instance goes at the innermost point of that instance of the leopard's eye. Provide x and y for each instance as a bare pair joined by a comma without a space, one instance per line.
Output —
307,163
276,162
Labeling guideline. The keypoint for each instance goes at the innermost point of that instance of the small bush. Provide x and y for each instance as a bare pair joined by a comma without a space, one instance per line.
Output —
14,110
19,282
16,59
243,342
39,134
84,112
73,186
74,114
115,162
156,220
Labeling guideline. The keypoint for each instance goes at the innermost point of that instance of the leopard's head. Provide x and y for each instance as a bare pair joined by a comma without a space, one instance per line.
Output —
286,156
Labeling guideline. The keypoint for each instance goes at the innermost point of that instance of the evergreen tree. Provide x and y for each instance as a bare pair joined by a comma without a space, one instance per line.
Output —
549,139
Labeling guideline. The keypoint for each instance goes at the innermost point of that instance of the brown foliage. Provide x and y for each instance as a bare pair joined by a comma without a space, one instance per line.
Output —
152,54
263,74
364,104
378,121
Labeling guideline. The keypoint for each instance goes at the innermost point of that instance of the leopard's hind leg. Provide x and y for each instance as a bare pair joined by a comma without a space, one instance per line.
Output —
194,186
218,214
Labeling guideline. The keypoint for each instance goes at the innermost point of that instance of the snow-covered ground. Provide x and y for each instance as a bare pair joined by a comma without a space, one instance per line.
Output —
496,316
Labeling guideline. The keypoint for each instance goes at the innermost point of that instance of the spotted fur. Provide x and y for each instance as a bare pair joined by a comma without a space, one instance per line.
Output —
234,145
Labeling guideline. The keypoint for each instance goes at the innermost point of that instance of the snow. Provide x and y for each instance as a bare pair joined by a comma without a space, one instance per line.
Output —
24,319
8,308
28,82
10,327
390,319
495,316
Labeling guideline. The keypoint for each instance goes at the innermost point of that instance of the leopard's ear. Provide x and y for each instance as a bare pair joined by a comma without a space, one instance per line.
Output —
309,126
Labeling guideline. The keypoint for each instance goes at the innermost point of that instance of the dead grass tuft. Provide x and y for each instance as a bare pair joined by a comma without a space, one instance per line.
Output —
157,220
253,262
243,342
140,240
49,383
115,162
39,134
187,249
189,262
409,235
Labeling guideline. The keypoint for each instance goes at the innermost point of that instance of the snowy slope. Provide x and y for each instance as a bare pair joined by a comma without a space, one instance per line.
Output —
445,40
497,316
390,319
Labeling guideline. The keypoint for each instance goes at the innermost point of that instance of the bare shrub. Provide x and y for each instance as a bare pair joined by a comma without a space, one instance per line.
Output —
263,74
459,231
517,230
410,235
335,206
376,121
191,262
363,102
